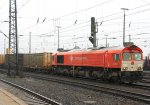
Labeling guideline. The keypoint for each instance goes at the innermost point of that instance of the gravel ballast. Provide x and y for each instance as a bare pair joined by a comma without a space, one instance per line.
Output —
69,95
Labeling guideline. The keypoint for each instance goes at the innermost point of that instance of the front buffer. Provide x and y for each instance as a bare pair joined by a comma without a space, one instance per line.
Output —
131,76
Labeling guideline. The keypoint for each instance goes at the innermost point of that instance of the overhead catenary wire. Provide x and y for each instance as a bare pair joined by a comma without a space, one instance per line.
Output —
23,5
88,9
121,12
105,2
93,7
48,19
141,11
4,34
112,32
74,12
72,28
144,1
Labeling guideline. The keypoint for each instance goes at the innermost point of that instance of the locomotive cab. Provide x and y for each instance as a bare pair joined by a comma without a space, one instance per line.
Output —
132,64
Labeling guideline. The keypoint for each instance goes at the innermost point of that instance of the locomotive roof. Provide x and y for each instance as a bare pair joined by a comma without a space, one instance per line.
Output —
104,48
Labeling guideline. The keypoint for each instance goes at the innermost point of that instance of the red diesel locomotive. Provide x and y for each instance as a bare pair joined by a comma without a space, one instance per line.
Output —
116,63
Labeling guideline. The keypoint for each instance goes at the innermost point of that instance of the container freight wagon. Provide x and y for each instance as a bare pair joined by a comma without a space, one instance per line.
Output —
2,60
11,58
38,61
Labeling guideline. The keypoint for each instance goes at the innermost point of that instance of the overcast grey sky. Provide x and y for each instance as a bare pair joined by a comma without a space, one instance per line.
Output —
40,17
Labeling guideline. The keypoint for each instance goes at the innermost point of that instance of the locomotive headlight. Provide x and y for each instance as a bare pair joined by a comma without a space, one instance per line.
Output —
125,68
139,68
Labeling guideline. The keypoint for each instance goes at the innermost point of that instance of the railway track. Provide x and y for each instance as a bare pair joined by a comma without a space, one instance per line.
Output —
141,86
147,77
131,95
39,97
145,81
144,84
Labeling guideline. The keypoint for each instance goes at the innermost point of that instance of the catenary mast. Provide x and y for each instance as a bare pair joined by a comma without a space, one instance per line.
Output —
13,35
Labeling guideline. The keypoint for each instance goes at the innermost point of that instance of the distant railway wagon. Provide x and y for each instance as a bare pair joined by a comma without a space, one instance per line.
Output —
38,61
34,61
2,59
117,63
147,63
11,59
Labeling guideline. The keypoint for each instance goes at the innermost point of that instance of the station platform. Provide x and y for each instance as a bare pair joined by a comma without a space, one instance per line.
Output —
7,98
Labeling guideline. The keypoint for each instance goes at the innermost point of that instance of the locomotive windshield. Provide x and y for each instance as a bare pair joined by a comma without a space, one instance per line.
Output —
137,56
126,56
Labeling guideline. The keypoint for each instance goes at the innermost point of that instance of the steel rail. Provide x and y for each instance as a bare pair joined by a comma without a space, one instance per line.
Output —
146,77
145,81
130,95
139,85
45,99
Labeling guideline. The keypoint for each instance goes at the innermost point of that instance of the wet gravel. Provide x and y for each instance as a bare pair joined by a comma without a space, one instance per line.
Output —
69,95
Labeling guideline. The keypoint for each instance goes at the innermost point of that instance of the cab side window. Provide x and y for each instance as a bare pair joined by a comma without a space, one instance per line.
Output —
60,59
116,57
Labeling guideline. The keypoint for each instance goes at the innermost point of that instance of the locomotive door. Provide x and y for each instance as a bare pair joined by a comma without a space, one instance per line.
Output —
106,60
